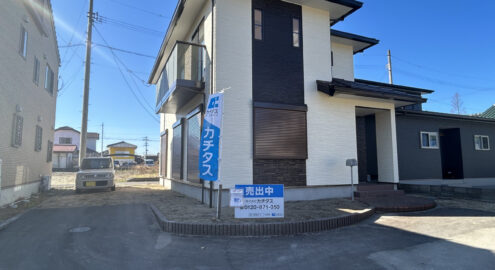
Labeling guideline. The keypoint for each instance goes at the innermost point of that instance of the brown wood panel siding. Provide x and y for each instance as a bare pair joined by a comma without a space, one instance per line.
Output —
280,134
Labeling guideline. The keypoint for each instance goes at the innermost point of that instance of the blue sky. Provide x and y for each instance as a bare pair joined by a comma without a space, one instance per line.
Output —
446,46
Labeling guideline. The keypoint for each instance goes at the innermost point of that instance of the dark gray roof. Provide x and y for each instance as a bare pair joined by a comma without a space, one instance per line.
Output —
397,86
446,116
368,90
360,43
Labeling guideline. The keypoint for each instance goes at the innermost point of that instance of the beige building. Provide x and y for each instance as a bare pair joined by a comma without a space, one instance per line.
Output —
28,93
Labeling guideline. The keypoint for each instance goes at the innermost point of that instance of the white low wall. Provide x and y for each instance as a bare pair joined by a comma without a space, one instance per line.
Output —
10,195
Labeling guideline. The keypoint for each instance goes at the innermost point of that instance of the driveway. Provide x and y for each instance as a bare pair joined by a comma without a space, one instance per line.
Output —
127,237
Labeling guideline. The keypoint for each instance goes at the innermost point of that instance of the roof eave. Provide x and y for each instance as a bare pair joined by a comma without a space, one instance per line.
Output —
354,5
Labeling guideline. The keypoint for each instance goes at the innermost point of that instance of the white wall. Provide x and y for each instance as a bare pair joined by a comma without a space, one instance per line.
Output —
233,75
67,134
22,165
343,61
386,145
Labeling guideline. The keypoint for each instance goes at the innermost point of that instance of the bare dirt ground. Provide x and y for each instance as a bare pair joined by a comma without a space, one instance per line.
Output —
177,207
62,180
173,205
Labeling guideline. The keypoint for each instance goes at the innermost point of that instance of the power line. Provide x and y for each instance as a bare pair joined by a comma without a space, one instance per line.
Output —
117,60
439,71
74,32
64,88
442,82
141,9
125,51
129,26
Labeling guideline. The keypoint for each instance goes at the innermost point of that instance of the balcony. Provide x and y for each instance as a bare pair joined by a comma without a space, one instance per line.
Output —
182,78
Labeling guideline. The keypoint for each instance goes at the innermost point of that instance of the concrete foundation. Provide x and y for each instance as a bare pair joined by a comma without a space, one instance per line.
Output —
290,193
10,195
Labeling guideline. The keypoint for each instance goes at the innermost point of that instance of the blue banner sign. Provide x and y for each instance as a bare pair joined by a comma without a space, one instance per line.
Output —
210,139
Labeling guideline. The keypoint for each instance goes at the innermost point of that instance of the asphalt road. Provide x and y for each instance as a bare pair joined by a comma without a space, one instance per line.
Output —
128,237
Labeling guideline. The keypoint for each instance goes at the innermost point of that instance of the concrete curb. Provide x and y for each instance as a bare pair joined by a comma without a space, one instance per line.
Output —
6,223
259,229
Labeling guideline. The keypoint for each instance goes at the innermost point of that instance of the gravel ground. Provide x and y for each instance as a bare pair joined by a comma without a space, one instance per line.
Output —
177,207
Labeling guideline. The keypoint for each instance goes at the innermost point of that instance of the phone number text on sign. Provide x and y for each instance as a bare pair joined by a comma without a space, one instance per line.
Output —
261,201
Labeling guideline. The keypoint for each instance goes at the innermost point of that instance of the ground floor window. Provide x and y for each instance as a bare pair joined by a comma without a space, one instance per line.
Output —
193,141
177,150
38,139
163,154
481,142
429,140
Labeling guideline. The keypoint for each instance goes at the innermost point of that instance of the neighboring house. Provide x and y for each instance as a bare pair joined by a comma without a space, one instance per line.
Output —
293,111
122,152
489,113
64,157
67,136
28,95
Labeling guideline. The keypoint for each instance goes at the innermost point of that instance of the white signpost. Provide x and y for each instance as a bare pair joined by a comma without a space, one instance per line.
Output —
261,201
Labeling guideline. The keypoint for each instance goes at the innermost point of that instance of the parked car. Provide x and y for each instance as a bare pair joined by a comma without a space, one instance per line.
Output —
95,173
116,164
149,162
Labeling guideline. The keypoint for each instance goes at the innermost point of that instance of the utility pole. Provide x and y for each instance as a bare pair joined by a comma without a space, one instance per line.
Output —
145,148
84,125
389,67
102,128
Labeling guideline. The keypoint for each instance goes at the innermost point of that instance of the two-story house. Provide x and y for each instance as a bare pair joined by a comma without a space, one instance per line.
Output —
28,94
66,147
293,111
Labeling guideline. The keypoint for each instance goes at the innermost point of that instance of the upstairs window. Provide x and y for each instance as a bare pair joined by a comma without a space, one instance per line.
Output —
65,140
296,32
481,142
36,71
429,140
38,139
23,42
49,79
258,24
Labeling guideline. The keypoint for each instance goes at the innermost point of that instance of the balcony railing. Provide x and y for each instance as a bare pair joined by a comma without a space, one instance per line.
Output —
184,68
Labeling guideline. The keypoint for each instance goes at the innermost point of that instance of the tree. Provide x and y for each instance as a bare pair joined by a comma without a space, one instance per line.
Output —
457,104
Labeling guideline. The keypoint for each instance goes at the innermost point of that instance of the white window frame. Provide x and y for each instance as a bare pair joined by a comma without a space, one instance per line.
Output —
480,147
430,134
36,71
49,79
23,42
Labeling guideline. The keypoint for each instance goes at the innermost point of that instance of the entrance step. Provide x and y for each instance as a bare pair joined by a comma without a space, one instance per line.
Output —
378,193
374,187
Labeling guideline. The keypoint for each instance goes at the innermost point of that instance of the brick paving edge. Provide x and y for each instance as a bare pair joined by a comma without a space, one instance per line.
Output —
258,229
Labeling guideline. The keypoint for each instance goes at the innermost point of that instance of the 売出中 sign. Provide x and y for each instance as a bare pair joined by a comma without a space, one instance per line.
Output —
210,139
261,201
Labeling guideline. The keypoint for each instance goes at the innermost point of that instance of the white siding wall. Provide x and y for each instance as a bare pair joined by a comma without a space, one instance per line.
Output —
233,75
23,165
331,120
67,134
167,120
343,61
386,145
